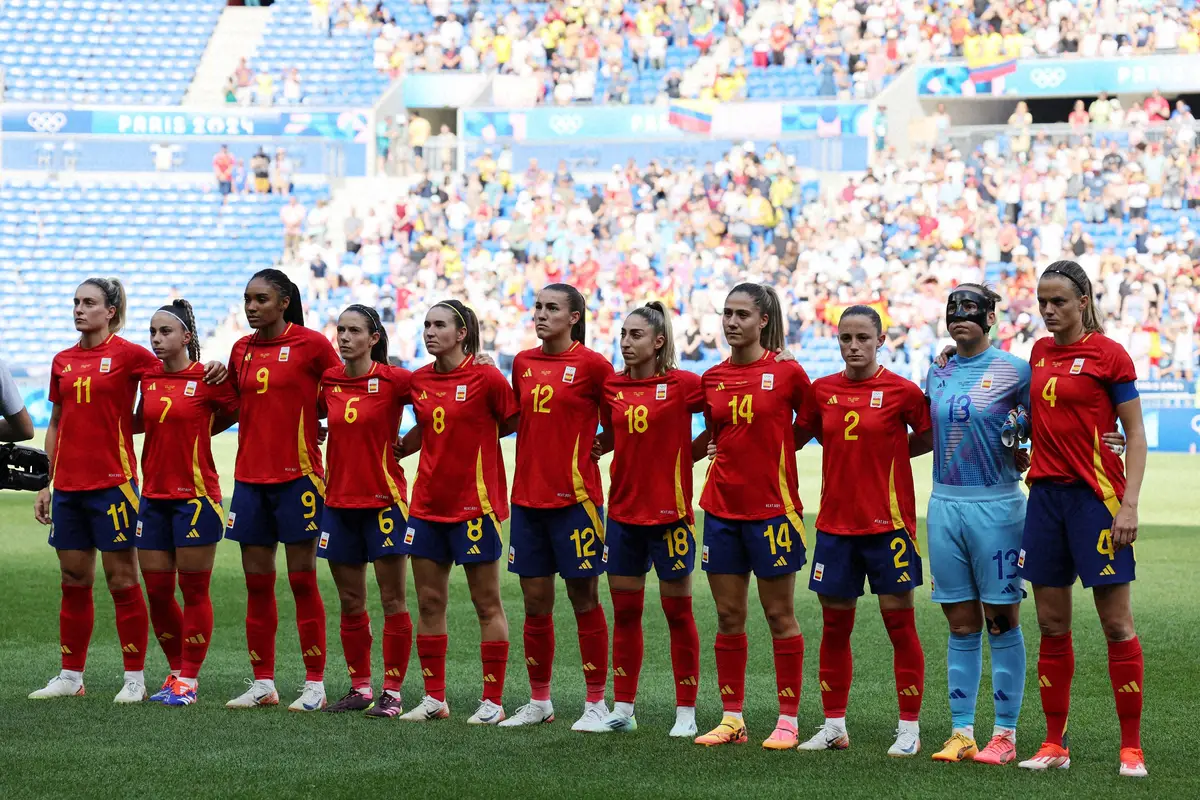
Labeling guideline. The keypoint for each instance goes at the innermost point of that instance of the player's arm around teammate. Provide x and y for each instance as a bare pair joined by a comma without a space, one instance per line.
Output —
278,480
1083,506
460,500
975,520
752,521
366,509
181,519
866,529
557,499
648,411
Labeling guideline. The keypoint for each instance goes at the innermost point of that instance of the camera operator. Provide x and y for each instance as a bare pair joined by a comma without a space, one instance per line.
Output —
16,425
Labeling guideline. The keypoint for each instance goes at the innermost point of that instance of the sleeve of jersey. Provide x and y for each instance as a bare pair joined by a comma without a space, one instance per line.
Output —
234,366
54,396
501,396
1024,378
402,379
917,410
327,357
225,398
146,362
1120,375
605,411
693,386
802,396
601,371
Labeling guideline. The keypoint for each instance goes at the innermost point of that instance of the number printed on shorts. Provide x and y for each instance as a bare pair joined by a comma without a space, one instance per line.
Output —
541,398
475,529
1011,557
637,417
742,408
1104,545
585,542
677,542
386,526
778,538
1050,391
199,504
900,549
309,501
851,420
120,515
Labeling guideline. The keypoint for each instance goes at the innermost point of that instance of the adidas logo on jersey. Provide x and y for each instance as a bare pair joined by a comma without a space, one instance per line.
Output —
312,526
337,390
527,374
911,691
1108,570
1130,688
904,578
787,692
832,401
152,387
958,694
585,564
780,562
424,395
474,551
678,565
192,534
1041,362
313,651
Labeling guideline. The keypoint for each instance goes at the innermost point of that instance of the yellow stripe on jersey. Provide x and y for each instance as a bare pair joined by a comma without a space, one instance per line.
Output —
594,516
130,495
789,508
581,493
894,500
680,505
485,505
302,448
397,497
1106,488
125,467
197,475
317,483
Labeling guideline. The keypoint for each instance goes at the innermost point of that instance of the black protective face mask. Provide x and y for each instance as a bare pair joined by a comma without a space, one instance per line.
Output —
956,310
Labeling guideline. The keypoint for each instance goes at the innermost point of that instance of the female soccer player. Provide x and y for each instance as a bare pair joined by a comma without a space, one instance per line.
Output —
459,500
93,470
279,483
753,512
557,501
365,507
181,519
1082,518
867,525
976,516
648,411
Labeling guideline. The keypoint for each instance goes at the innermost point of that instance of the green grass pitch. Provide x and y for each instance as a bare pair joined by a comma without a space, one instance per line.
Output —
90,748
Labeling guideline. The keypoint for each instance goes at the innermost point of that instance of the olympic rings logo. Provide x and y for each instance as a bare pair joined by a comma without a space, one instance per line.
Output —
566,124
1047,77
47,121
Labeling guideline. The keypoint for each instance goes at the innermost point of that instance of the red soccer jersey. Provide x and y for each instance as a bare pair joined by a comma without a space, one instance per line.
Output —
177,411
364,420
277,383
749,408
96,388
461,475
1071,395
866,477
559,396
651,423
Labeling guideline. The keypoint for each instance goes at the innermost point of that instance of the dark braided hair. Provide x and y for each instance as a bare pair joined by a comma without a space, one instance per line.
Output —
182,310
575,302
294,313
379,350
464,317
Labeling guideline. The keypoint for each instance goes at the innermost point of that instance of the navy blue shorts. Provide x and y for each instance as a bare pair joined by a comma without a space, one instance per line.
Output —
767,547
473,541
267,513
167,524
633,548
568,541
1068,534
890,562
361,535
103,519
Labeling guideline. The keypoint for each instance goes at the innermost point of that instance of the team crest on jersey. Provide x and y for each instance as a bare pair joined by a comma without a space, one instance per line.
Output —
189,390
229,521
569,375
768,381
986,383
876,399
460,392
1077,366
106,364
373,386
660,392
284,352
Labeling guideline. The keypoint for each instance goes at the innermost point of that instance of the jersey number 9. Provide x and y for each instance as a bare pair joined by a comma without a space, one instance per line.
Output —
263,375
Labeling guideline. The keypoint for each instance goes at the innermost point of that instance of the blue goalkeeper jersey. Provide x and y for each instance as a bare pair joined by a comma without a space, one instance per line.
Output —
969,402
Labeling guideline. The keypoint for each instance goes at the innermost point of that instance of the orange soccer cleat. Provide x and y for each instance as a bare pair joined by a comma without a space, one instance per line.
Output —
731,731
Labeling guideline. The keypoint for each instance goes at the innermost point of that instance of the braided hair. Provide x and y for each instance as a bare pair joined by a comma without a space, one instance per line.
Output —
379,350
294,313
181,310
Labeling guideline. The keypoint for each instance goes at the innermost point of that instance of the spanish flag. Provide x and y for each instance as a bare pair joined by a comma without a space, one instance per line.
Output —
833,311
693,116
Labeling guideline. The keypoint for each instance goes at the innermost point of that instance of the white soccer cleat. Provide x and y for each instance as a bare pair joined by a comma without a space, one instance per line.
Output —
1048,756
131,692
535,712
428,709
827,737
592,720
259,693
615,722
907,744
685,724
488,713
59,686
312,697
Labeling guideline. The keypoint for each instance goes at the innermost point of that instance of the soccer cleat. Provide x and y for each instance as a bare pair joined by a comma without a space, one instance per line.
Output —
131,692
428,709
827,737
162,694
592,720
353,701
685,724
907,744
784,737
312,697
731,731
959,747
1000,750
58,687
488,713
259,693
532,713
1133,763
181,695
1048,756
385,707
614,722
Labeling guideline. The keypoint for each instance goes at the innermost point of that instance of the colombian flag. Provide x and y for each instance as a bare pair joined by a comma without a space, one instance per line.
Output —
693,116
990,57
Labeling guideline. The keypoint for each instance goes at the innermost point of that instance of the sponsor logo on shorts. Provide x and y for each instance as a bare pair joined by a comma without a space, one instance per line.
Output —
704,555
818,571
660,392
284,352
138,532
512,554
232,517
373,386
877,399
1077,366
324,540
106,364
409,534
189,389
460,392
768,381
604,555
1021,559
